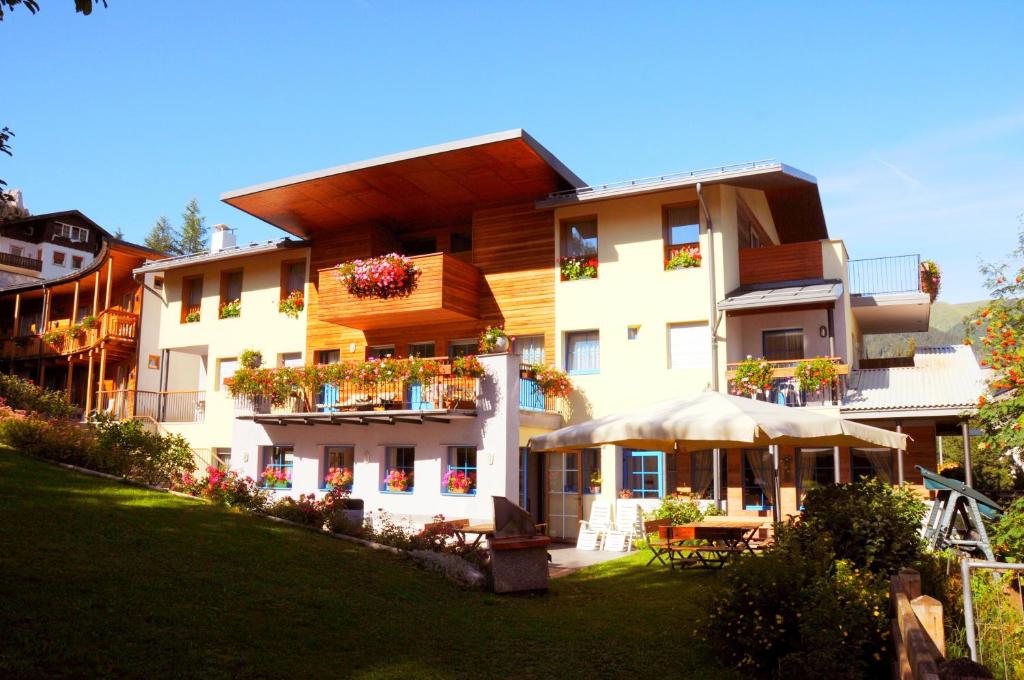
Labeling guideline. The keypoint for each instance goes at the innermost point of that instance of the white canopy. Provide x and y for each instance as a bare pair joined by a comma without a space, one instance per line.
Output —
716,420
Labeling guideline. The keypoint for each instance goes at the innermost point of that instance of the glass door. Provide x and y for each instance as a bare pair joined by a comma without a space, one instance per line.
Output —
563,495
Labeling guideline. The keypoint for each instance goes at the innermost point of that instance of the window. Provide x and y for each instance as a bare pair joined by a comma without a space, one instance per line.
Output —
751,233
419,246
582,352
461,472
76,261
632,333
58,258
226,369
783,345
530,348
399,469
290,359
643,473
814,468
868,463
421,349
592,479
222,459
327,356
71,232
702,474
461,348
293,277
339,462
689,345
191,298
17,250
579,249
230,294
758,479
278,463
158,283
380,351
681,230
462,241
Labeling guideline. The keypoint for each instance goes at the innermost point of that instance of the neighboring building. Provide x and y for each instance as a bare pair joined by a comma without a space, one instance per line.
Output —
40,247
77,329
505,234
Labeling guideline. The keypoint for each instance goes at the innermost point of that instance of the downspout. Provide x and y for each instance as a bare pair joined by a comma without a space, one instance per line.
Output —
716,460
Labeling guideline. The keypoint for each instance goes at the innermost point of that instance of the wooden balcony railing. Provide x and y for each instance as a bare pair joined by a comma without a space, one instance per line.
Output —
785,389
112,325
21,262
790,262
188,406
448,290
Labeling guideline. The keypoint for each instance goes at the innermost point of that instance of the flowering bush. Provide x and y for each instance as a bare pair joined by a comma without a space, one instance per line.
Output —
24,395
231,309
681,509
398,480
931,278
579,267
339,478
387,276
815,374
267,383
276,477
467,367
490,337
683,258
753,376
457,481
227,488
305,509
292,305
551,381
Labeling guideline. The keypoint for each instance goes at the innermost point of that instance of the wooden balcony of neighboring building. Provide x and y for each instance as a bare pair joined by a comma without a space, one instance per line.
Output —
448,290
20,262
785,389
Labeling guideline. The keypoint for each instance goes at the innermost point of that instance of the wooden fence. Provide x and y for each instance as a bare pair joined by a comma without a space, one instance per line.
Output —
917,629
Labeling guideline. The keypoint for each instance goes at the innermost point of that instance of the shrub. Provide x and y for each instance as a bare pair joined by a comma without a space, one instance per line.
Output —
59,440
126,448
227,488
681,510
1008,535
870,523
304,510
22,395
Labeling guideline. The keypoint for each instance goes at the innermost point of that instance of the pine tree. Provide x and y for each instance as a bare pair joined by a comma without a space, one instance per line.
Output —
192,237
161,237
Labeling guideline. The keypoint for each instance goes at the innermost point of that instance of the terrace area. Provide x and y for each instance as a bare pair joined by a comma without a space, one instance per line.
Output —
785,385
888,294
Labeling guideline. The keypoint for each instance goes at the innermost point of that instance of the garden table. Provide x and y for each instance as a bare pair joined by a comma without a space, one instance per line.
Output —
710,544
481,531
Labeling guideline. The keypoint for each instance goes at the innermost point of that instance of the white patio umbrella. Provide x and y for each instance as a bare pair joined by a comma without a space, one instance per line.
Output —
712,420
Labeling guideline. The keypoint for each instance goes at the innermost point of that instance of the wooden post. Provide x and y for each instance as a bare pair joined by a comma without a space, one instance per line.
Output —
929,613
17,327
88,387
96,295
103,374
110,281
71,372
74,305
47,303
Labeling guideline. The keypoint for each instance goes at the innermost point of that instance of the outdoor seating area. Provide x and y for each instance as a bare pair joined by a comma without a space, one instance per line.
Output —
605,532
708,544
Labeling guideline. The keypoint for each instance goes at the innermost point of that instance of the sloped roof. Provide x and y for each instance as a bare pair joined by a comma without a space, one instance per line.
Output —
798,293
944,380
227,253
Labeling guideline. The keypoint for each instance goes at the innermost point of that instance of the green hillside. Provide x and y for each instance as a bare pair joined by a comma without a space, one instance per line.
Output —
945,328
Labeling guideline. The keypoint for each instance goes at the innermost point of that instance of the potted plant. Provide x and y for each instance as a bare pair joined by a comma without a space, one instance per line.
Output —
494,340
551,381
815,374
575,268
74,331
684,258
251,358
90,321
192,317
231,309
625,493
595,483
457,481
384,277
339,478
276,477
292,305
467,367
931,278
51,337
753,376
398,480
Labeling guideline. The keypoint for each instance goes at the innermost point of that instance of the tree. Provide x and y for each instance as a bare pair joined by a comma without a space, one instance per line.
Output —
192,237
999,327
83,6
161,237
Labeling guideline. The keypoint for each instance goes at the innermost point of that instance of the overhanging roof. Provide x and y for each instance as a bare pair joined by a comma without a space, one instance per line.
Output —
792,194
802,293
441,184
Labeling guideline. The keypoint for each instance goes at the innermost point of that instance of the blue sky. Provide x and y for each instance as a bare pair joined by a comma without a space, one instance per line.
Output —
911,115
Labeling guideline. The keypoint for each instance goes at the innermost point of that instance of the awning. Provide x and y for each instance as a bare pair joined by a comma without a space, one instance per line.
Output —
804,293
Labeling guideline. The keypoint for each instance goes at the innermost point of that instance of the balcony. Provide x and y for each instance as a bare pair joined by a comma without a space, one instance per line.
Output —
117,329
164,407
886,295
786,390
790,262
448,290
20,262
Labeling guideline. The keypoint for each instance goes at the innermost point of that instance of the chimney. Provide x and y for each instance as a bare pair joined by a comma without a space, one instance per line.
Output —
222,237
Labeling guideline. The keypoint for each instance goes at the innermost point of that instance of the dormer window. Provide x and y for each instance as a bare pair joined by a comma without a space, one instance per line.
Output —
71,232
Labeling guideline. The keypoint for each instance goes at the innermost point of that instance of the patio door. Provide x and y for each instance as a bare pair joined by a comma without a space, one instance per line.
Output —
563,495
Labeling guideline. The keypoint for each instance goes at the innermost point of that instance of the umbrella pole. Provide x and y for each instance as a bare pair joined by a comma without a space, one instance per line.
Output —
776,511
716,478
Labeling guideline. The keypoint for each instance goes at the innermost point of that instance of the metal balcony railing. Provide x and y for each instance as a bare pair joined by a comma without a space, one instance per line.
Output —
885,275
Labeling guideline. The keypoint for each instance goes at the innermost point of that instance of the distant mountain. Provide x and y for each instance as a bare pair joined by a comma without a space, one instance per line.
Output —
945,328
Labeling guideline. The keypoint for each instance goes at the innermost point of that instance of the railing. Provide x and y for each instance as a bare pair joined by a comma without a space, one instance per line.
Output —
530,396
917,627
882,275
112,324
21,262
164,407
785,389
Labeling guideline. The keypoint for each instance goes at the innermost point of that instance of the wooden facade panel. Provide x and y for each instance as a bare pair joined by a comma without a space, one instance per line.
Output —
789,262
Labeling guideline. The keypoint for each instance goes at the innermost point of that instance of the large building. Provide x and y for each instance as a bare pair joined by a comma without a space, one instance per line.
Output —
585,278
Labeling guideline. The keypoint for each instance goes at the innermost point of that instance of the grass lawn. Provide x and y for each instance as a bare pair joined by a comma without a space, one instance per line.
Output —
103,579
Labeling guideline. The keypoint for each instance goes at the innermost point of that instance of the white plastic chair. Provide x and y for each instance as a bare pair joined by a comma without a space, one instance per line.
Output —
621,536
592,531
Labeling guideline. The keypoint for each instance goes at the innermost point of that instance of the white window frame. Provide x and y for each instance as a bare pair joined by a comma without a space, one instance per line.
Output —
73,233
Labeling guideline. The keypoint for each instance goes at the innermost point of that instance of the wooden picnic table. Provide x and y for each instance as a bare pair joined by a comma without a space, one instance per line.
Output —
481,531
709,544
